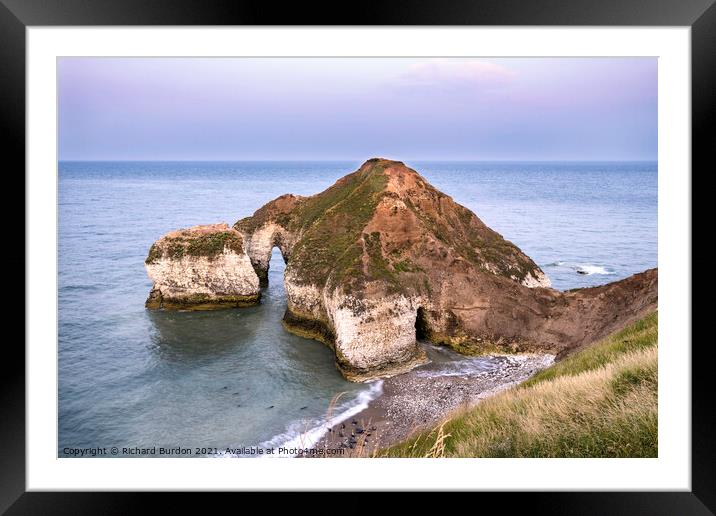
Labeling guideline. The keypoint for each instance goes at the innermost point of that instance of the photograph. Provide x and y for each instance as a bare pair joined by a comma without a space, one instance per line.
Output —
357,257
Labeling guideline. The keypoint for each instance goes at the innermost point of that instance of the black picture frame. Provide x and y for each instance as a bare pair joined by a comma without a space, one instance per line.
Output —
17,15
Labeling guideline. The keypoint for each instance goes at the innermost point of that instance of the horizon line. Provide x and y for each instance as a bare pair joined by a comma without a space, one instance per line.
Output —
282,160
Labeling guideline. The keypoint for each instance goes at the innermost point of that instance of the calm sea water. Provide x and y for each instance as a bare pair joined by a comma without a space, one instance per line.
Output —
129,377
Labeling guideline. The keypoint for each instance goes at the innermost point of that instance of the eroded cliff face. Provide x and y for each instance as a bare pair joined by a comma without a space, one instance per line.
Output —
482,315
371,337
382,256
201,268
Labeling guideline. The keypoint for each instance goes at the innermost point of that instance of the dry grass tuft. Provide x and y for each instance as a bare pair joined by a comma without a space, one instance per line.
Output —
438,448
600,402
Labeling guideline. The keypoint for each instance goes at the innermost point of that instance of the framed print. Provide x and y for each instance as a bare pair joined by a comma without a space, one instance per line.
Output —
420,249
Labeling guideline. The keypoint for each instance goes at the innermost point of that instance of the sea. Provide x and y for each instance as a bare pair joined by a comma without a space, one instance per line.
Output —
217,383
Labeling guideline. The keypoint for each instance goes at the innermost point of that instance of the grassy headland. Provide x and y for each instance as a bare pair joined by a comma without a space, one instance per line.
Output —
599,402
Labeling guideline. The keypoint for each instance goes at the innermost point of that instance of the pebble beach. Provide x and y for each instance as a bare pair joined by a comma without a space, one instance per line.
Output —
423,398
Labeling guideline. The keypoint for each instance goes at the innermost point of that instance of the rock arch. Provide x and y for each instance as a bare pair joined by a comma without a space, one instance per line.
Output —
260,243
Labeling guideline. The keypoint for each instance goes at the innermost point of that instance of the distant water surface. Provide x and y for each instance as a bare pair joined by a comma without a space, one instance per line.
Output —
130,377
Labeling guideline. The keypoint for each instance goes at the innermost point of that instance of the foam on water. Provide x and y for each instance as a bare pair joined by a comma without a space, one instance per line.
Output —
306,433
464,367
449,363
593,269
585,269
300,435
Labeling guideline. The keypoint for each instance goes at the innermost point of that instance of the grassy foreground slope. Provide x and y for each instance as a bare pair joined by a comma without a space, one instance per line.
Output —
598,402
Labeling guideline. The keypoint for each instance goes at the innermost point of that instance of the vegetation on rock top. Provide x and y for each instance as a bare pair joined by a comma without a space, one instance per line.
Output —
199,244
277,211
331,225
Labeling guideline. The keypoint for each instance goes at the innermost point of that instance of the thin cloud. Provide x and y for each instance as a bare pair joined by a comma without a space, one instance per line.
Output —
468,76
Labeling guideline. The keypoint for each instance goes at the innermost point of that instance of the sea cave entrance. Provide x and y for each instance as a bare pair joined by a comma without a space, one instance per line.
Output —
421,324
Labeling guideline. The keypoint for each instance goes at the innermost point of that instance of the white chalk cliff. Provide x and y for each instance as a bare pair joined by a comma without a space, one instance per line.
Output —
201,268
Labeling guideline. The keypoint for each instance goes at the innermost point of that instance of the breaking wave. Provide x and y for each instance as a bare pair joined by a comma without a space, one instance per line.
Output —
586,269
306,433
592,269
464,367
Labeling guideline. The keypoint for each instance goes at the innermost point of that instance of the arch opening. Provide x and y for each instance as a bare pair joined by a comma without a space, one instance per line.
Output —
261,267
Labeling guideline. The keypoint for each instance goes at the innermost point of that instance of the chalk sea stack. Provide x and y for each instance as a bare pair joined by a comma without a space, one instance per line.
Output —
201,268
382,257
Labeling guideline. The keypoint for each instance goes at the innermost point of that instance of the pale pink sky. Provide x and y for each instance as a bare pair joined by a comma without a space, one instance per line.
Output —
355,108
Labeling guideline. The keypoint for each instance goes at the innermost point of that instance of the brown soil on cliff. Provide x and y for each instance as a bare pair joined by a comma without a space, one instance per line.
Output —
278,211
491,314
379,224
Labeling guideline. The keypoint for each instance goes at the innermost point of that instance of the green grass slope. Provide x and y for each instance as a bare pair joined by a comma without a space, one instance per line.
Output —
598,402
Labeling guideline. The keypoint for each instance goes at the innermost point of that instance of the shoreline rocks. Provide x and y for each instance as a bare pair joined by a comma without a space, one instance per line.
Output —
415,401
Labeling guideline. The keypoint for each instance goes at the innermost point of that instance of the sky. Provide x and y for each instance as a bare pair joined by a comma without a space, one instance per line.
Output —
357,108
